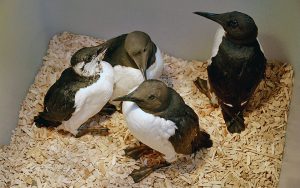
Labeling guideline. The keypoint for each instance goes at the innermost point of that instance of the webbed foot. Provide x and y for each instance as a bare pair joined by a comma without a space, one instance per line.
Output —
143,172
95,129
138,151
202,86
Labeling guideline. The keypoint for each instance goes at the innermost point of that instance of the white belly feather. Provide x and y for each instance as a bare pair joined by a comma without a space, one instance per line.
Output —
127,78
150,130
90,100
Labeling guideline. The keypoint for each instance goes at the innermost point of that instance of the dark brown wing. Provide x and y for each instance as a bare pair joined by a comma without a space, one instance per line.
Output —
187,124
60,98
186,132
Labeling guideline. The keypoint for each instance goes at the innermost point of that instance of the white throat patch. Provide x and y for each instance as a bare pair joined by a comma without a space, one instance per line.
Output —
89,69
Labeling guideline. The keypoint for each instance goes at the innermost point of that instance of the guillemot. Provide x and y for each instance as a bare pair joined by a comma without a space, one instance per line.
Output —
80,92
134,57
158,117
236,67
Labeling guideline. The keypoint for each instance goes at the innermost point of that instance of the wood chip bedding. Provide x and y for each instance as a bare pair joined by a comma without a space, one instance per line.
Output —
39,157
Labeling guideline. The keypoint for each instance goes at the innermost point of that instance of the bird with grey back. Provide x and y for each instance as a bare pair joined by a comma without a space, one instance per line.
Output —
158,117
236,67
80,93
134,57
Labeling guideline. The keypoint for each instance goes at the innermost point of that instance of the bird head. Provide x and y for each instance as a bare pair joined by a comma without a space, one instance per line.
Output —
139,47
151,96
239,27
86,61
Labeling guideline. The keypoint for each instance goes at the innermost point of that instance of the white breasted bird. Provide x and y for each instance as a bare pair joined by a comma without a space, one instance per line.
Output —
80,93
236,67
158,117
134,57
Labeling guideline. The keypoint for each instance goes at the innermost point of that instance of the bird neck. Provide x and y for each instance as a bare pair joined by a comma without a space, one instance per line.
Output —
152,57
173,106
248,41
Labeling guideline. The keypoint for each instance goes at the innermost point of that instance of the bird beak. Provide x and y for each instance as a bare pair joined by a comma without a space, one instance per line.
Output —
143,70
128,97
102,54
101,50
141,63
211,16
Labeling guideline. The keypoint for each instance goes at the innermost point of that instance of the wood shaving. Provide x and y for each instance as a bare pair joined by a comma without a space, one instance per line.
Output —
39,157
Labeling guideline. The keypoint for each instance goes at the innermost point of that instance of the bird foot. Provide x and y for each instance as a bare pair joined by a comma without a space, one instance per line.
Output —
84,129
235,126
137,152
202,86
141,173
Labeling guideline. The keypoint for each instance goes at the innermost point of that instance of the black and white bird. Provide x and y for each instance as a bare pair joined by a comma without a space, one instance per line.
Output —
134,57
158,117
80,93
236,67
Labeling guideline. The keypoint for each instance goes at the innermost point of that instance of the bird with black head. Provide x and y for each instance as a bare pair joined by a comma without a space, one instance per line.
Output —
135,58
158,117
81,92
236,67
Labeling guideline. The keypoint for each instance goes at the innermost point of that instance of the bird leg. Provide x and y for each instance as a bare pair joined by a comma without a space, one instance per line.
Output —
202,85
137,151
108,109
141,173
88,128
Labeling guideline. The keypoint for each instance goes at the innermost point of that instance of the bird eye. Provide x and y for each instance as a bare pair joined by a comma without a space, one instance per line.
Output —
145,49
233,23
151,97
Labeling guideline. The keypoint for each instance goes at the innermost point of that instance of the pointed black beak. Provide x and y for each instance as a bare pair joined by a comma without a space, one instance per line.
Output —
127,98
141,63
144,73
212,16
101,48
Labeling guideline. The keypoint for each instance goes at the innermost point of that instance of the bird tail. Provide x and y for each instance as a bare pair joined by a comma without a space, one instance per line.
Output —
202,141
234,119
41,121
